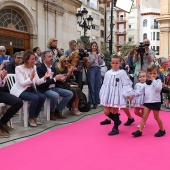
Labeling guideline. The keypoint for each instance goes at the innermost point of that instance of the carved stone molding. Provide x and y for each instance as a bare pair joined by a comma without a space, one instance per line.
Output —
54,7
75,3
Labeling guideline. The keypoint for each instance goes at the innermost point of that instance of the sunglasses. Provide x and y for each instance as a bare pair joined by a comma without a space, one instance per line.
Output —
3,51
55,40
66,61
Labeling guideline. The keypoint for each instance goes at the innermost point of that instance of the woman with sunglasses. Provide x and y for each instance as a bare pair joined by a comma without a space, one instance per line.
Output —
52,46
3,57
63,67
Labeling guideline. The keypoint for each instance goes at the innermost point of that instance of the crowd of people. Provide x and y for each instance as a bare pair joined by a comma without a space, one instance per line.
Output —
59,75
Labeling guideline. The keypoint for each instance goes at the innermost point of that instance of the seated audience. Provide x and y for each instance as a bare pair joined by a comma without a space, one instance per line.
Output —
63,68
3,57
164,75
25,87
18,59
50,89
15,104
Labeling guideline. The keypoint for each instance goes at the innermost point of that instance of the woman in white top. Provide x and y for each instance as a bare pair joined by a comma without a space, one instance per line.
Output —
25,86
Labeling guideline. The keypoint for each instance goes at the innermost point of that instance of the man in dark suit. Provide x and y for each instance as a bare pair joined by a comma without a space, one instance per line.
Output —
18,58
49,89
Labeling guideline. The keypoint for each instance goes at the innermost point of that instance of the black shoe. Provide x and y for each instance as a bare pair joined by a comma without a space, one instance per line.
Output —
113,132
129,122
137,133
160,133
105,122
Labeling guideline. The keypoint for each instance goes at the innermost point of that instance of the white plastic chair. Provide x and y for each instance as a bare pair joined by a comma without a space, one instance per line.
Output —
10,82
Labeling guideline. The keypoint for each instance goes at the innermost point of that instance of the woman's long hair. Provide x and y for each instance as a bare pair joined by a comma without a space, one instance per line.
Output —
60,64
91,47
26,56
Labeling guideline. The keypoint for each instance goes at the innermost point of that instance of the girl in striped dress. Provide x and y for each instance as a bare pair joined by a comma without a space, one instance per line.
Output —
114,92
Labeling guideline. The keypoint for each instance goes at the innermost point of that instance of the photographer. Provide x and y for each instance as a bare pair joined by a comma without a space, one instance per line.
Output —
144,56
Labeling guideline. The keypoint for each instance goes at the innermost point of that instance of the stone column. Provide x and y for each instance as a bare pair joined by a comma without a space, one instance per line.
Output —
164,21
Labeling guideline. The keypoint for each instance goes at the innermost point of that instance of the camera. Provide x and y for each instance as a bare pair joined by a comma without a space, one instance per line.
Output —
141,48
82,53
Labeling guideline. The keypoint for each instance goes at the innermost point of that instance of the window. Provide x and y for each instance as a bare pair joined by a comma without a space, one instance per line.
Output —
11,19
78,34
157,50
102,22
153,35
131,39
155,24
144,36
95,16
102,34
96,27
158,35
131,26
145,23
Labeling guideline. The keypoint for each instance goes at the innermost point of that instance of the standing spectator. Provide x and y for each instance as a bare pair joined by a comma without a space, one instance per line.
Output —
3,57
52,46
78,71
143,61
94,74
25,88
18,60
130,61
37,52
15,104
169,61
49,88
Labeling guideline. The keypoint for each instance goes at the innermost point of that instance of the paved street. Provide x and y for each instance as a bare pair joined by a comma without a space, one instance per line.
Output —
22,133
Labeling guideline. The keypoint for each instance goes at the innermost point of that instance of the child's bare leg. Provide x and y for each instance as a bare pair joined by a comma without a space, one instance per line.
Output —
138,111
144,118
157,118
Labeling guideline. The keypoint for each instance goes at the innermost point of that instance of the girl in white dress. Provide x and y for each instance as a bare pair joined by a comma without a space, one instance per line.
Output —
114,92
137,102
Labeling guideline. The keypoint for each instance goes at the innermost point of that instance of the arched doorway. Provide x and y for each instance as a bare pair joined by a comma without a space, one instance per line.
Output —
14,31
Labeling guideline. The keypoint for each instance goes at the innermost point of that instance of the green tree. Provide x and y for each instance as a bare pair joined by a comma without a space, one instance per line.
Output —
85,40
126,48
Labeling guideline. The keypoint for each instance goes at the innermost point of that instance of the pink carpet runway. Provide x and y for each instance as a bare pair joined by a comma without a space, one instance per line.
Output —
85,145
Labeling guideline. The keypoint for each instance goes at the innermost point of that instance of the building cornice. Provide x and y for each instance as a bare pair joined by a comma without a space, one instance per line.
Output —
75,3
150,13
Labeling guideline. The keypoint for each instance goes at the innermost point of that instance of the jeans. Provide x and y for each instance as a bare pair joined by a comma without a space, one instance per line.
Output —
15,104
54,94
94,82
36,99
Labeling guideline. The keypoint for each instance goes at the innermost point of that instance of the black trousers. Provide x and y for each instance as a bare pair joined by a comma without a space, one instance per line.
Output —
15,104
167,91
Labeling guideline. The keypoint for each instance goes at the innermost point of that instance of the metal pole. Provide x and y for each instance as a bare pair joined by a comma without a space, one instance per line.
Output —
111,29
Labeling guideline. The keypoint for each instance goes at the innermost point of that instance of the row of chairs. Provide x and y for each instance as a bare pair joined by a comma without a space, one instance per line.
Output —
10,79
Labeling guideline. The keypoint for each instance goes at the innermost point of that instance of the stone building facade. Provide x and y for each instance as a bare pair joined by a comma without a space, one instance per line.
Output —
164,21
25,24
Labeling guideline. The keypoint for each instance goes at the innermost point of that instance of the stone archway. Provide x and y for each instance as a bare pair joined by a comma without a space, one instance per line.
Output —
17,26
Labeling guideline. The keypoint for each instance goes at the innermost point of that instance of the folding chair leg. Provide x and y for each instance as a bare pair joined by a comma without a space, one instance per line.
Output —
25,111
48,109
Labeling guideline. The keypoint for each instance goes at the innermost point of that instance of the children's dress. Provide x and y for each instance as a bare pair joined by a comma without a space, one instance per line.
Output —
116,87
138,101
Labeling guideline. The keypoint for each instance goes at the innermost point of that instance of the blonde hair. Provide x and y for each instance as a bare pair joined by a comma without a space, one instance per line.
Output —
60,63
50,41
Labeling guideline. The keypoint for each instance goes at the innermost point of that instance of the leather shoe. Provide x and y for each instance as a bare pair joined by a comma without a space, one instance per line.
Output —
52,117
59,115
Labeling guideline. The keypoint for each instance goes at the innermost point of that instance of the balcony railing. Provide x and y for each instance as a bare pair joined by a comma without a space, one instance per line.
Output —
120,32
120,43
121,19
155,26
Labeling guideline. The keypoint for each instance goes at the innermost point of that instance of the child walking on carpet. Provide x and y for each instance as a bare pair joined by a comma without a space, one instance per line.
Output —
137,102
152,100
114,92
